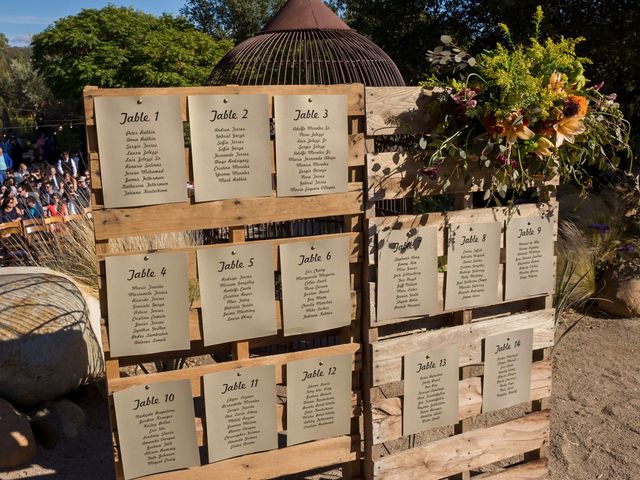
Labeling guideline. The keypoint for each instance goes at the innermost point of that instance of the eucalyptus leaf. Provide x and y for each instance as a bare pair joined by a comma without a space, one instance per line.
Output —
446,39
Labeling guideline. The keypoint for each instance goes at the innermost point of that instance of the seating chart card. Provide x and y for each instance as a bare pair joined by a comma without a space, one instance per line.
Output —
311,144
148,303
507,369
141,144
408,273
431,391
237,292
156,428
318,398
230,145
241,412
529,257
473,265
316,288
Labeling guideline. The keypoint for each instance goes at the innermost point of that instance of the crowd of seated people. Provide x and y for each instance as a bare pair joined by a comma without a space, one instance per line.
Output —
28,192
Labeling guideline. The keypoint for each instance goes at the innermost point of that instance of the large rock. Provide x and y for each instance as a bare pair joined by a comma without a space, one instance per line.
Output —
17,445
49,336
620,296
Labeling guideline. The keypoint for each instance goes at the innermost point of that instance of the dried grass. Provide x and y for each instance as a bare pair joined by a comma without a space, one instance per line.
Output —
70,251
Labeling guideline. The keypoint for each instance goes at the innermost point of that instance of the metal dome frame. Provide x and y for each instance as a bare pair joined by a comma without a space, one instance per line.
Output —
306,44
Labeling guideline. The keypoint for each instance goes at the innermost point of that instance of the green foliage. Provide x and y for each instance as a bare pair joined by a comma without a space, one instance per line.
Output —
121,47
407,29
523,114
236,19
22,90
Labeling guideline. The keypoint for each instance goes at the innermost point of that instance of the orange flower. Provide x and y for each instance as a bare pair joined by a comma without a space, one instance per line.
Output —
556,82
567,129
515,128
575,106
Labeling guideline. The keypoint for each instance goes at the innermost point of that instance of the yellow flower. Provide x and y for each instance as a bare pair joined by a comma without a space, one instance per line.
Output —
515,128
544,148
556,82
567,129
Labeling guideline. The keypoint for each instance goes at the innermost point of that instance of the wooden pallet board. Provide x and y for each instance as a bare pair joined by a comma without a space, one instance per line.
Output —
396,177
466,451
239,215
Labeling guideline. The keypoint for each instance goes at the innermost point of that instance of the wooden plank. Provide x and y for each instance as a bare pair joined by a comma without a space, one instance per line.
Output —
536,470
393,110
272,464
195,373
466,451
176,217
355,241
354,92
387,354
396,175
387,412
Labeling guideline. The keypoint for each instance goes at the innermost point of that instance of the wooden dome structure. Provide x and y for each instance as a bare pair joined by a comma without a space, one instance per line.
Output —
306,43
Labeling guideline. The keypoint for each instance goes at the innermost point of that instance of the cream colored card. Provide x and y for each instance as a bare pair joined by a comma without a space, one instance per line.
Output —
148,303
507,369
431,391
311,144
230,146
141,142
318,398
156,428
529,257
316,288
241,412
237,292
408,273
473,262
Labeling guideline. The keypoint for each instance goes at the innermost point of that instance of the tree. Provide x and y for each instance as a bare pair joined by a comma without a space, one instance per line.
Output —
236,19
406,29
22,90
122,47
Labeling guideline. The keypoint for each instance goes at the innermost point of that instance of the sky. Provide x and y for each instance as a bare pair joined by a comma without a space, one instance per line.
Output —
21,19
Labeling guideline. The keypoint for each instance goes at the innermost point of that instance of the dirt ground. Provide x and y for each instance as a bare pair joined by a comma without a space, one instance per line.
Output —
595,429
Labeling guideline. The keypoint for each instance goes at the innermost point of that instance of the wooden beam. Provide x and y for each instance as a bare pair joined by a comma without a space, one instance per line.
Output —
388,354
466,451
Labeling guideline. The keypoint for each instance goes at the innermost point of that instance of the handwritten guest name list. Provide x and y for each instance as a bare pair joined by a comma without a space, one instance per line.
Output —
507,369
473,265
230,145
241,412
316,288
318,398
237,291
156,428
408,279
141,144
431,392
311,144
148,303
529,257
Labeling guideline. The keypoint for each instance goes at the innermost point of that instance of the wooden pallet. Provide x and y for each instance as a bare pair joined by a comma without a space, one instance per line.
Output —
238,214
513,449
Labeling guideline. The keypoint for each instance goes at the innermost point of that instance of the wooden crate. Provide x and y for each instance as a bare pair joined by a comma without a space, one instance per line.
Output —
514,448
237,215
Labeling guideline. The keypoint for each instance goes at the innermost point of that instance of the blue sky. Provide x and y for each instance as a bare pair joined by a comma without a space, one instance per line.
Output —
21,19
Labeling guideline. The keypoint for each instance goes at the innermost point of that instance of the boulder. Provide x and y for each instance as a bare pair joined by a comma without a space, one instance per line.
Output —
56,418
49,336
620,295
17,445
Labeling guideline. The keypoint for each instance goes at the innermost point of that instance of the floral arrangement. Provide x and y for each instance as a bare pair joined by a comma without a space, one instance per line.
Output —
524,113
